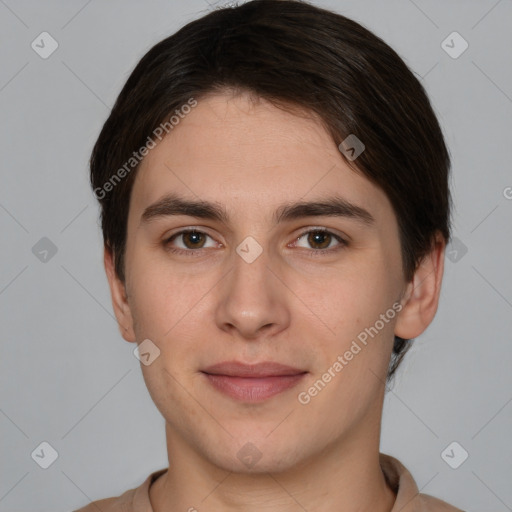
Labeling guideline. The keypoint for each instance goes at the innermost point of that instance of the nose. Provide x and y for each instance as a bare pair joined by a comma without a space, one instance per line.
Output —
253,299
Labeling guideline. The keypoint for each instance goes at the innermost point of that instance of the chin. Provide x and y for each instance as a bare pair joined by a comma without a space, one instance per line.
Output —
258,456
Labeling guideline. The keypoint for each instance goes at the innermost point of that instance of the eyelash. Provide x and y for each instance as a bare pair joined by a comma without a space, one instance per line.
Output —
313,252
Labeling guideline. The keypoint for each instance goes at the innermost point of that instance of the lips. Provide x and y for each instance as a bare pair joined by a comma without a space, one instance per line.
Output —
252,383
264,369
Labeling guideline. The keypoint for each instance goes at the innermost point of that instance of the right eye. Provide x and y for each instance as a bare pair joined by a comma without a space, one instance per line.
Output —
191,241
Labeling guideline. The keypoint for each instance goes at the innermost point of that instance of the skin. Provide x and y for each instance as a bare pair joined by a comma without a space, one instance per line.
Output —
287,306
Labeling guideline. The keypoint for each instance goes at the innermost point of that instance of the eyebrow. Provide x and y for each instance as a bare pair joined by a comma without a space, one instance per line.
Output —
333,206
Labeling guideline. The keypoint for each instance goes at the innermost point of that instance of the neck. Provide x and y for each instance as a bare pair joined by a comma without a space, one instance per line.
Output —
345,476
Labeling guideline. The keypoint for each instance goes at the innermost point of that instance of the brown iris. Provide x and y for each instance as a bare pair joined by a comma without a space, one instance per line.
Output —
319,238
196,237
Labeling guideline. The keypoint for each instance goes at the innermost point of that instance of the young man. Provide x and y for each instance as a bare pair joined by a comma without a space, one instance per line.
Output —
275,210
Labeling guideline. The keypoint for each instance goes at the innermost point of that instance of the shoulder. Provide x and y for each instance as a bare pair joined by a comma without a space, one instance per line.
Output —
123,503
133,500
431,504
408,497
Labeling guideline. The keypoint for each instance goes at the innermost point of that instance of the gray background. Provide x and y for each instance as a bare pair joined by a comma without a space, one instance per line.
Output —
67,376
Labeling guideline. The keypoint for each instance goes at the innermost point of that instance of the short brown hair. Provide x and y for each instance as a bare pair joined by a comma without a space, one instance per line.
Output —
293,54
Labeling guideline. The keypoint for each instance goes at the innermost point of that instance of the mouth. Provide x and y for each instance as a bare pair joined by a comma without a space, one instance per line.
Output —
252,383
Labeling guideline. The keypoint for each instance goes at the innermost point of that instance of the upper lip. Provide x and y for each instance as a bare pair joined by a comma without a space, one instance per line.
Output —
263,369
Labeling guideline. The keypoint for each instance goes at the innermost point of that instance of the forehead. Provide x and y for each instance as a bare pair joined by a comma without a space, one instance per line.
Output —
250,155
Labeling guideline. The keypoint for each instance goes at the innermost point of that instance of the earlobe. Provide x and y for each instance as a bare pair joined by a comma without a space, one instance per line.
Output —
119,299
421,298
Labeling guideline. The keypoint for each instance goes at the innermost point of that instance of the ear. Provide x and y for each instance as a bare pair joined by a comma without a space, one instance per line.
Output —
119,298
421,298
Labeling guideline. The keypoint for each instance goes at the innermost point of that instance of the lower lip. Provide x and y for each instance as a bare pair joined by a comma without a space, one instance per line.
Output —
253,389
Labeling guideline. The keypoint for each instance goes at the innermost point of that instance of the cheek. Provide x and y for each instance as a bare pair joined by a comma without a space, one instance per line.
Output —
354,359
155,301
156,290
358,309
152,303
169,307
355,300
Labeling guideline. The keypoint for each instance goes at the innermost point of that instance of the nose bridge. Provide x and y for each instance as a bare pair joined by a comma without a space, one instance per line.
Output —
252,297
250,268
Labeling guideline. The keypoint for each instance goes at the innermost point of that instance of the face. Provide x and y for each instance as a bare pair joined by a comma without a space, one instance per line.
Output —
260,282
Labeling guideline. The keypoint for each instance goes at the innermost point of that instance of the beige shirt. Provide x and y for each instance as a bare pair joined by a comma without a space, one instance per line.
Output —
408,498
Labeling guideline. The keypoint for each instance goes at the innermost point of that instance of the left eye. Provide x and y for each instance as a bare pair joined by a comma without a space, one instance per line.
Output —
321,239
